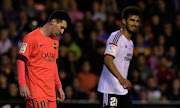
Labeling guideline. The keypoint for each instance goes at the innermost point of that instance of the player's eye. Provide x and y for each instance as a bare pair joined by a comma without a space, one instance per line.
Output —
132,19
62,27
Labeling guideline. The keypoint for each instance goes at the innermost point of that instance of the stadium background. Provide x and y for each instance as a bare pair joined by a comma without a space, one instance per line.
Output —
154,70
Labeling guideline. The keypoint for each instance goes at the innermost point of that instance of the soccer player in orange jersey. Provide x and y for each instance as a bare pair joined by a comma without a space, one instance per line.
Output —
36,63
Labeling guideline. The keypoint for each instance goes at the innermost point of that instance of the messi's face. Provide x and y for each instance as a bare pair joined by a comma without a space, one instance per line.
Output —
58,27
132,23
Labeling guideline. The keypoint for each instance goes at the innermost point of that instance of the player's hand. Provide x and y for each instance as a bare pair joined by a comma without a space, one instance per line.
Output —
125,83
60,94
24,91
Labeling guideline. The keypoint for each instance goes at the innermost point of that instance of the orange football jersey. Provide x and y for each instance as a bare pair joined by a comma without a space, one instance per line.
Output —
41,53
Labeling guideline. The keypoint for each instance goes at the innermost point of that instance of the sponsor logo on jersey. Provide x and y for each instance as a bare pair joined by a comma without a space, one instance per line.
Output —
23,47
49,57
128,57
54,45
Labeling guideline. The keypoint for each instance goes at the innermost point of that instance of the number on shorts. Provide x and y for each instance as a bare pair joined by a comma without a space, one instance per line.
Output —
113,101
37,104
43,105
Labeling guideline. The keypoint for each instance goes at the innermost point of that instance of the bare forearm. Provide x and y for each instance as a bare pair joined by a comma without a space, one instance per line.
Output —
108,61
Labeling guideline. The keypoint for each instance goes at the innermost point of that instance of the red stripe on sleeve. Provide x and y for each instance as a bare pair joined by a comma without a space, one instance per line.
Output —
110,55
21,72
56,78
113,44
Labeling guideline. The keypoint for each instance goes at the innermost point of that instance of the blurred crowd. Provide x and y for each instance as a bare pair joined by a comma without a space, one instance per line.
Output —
154,71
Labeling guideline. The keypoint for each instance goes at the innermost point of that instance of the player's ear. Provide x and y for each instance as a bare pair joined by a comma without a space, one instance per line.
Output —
124,21
53,21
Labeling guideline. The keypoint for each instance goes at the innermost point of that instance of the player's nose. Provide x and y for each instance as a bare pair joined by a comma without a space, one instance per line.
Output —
62,31
136,23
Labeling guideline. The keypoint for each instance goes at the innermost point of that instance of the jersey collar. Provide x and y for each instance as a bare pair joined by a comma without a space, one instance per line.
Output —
124,35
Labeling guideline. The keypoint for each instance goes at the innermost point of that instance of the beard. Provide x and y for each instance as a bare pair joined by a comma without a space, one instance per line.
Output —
59,36
128,29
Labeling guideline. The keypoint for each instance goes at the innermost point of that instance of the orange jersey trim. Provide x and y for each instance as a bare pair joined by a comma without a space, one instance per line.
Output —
124,35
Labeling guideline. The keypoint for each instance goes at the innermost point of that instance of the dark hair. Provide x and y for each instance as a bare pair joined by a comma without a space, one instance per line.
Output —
60,15
130,10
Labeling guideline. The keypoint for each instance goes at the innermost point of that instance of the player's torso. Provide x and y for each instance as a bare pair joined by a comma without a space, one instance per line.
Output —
124,55
41,67
124,51
42,61
44,52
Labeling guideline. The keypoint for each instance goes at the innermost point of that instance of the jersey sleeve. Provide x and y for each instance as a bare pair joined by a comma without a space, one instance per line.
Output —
21,73
27,46
56,78
110,50
112,44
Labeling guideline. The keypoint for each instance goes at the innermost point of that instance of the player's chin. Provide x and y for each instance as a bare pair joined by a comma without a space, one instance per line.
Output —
134,31
55,34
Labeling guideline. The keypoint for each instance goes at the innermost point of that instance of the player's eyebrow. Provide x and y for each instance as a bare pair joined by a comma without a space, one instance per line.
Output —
132,19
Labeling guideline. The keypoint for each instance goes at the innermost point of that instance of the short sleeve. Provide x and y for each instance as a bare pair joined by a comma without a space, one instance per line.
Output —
27,46
111,49
112,44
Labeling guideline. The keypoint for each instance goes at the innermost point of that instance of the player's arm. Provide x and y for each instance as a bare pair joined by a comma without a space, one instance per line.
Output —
108,61
24,90
57,80
60,92
22,58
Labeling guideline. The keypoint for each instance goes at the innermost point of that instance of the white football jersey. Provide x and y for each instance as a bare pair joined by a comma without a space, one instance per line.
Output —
121,49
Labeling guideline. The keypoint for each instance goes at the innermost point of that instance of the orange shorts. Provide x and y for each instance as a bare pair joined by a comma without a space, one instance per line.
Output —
40,103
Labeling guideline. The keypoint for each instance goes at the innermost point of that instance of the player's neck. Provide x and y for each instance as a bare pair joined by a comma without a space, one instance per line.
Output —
45,30
126,33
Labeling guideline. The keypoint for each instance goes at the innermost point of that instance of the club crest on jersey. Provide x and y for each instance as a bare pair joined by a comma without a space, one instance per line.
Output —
23,47
54,45
112,49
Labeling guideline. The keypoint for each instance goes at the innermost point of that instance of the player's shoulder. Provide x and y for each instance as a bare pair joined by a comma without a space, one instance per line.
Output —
31,35
115,36
117,32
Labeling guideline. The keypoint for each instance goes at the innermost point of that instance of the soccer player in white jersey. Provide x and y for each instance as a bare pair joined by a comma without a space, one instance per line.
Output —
113,83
